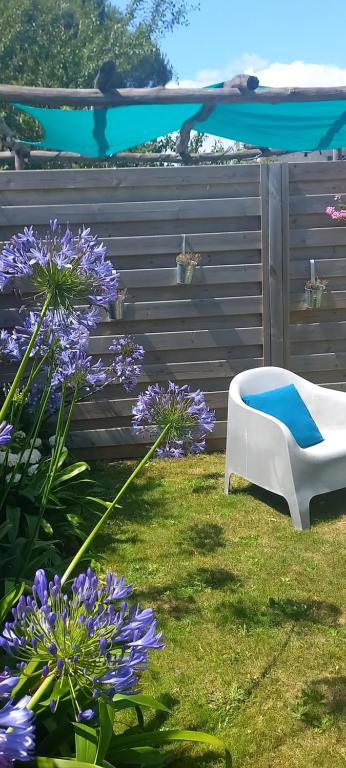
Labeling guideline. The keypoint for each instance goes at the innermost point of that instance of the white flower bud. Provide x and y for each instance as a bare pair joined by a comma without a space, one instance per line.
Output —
36,443
12,459
15,479
34,455
32,469
20,434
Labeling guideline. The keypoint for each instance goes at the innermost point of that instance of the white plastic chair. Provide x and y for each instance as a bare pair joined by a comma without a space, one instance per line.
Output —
261,448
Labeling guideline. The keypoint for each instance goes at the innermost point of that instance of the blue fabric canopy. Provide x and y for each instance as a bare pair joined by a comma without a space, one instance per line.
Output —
298,126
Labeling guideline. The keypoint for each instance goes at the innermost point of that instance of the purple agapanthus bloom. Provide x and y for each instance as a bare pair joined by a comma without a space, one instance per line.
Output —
127,361
62,328
5,433
7,682
60,264
16,733
9,348
78,370
186,413
88,636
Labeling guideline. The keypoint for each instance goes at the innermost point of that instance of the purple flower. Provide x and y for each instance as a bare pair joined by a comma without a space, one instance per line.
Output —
8,346
96,643
86,714
39,587
5,433
127,361
186,413
16,733
7,683
69,268
78,370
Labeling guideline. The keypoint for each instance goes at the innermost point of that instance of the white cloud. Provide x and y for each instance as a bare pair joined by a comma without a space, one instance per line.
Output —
276,74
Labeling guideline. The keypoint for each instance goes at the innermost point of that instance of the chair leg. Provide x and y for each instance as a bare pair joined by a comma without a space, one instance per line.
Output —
300,512
228,481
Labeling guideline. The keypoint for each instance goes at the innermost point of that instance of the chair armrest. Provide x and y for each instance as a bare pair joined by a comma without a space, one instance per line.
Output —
261,448
328,408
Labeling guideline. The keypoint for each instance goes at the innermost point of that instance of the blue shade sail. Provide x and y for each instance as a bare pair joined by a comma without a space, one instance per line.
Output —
295,126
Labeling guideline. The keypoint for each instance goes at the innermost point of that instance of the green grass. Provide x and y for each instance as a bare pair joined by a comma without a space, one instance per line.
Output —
252,612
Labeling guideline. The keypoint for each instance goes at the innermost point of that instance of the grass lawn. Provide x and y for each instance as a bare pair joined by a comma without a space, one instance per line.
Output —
253,613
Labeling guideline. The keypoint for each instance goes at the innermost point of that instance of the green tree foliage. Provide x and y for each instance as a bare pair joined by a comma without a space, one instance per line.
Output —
160,16
61,43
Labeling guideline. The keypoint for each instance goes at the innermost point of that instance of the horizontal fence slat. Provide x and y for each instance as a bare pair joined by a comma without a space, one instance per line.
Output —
310,238
177,210
328,361
237,273
111,409
324,268
185,339
303,204
127,177
318,331
123,435
204,242
331,300
193,308
156,310
317,171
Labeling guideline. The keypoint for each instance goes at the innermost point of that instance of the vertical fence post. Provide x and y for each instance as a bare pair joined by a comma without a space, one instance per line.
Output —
278,212
264,192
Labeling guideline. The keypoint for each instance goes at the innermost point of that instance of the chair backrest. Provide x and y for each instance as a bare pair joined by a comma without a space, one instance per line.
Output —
260,379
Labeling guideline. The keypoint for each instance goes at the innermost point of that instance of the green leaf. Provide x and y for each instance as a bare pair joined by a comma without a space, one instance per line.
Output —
141,701
13,517
142,756
63,456
4,528
47,527
61,762
86,742
99,501
159,738
9,600
71,471
106,715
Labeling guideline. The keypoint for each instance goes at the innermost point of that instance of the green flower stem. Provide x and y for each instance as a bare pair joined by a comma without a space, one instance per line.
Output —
113,504
25,359
41,690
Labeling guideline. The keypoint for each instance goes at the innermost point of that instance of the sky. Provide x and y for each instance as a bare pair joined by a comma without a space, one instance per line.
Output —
299,42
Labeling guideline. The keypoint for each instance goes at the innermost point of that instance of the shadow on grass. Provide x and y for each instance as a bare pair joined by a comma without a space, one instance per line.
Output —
278,612
174,600
217,578
140,504
207,759
177,599
324,508
206,537
207,483
158,719
322,702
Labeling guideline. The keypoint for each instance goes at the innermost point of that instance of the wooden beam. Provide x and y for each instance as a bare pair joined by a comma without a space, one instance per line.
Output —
42,156
91,97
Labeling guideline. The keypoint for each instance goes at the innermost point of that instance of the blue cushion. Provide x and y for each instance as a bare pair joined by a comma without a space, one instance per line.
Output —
286,405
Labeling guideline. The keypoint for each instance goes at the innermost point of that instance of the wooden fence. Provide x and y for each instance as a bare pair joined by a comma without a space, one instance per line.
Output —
256,226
